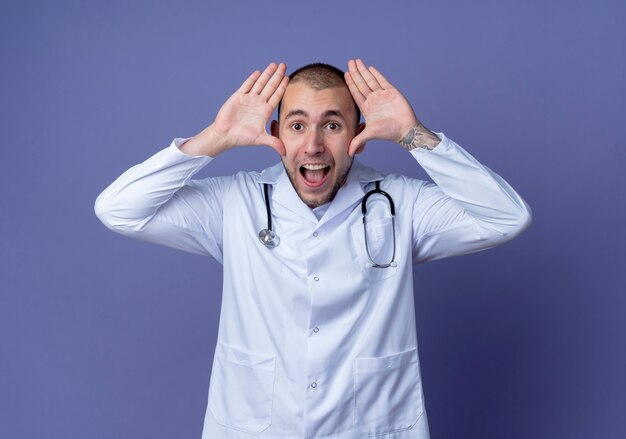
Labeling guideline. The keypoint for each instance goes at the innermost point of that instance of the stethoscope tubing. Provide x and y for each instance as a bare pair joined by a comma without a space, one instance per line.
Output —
270,239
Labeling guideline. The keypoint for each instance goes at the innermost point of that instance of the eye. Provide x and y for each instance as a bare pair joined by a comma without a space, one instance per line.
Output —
333,126
297,126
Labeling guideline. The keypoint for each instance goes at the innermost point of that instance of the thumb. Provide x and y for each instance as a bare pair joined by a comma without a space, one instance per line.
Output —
275,143
358,142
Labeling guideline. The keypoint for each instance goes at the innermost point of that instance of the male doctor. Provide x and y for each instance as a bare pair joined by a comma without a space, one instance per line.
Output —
317,334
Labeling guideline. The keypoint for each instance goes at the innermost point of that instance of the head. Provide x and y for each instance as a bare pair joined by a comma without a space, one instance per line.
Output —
317,119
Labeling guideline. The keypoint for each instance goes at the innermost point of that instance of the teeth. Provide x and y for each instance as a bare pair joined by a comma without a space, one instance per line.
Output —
311,167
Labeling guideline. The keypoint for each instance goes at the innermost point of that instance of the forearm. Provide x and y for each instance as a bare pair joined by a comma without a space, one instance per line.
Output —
135,196
482,193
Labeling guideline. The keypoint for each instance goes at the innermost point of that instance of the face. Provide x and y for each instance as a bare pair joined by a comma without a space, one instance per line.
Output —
316,127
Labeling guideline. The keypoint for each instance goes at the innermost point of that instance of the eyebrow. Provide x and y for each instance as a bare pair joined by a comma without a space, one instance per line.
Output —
327,113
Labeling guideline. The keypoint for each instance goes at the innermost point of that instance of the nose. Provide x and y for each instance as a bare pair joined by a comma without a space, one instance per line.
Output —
314,143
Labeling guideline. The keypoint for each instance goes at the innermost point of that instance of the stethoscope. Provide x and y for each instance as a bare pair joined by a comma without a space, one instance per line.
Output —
270,239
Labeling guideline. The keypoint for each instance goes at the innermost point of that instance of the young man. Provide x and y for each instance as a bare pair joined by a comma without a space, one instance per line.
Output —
317,330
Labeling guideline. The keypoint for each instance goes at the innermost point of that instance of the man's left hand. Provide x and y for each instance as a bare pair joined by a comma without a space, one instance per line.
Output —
388,115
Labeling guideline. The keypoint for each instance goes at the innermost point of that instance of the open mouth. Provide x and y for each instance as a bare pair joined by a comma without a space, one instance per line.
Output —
314,174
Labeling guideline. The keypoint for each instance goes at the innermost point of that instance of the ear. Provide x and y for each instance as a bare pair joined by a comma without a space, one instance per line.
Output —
274,128
359,130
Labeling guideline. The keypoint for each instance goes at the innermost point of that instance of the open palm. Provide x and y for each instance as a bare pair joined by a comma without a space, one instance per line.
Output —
388,115
243,117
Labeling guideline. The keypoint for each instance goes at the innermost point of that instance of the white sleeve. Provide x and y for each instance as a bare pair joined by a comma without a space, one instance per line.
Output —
469,209
156,201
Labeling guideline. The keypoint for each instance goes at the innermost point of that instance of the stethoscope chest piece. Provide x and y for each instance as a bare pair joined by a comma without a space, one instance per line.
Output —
269,238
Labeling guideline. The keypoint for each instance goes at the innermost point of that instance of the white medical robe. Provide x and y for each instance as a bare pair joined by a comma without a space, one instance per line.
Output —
313,341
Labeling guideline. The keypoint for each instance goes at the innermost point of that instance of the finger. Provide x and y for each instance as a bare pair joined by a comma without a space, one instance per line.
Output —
274,142
380,78
280,91
274,81
358,79
372,82
248,83
356,94
265,76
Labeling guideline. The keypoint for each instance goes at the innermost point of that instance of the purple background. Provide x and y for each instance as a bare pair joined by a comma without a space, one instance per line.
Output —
106,337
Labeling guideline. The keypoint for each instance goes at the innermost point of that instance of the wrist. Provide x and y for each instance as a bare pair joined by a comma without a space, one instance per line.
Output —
207,142
419,136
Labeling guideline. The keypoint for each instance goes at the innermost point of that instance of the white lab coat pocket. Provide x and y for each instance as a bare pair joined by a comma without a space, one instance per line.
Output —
242,389
380,246
388,393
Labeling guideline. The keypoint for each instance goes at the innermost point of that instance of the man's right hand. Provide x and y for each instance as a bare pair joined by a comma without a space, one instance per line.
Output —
243,118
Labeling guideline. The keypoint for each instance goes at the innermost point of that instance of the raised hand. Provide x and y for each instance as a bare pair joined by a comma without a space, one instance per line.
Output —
388,115
243,118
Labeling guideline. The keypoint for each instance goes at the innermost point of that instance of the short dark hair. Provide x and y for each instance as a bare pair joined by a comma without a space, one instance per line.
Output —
320,76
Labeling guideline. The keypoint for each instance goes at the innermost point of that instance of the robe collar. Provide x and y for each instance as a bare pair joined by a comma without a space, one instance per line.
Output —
284,195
